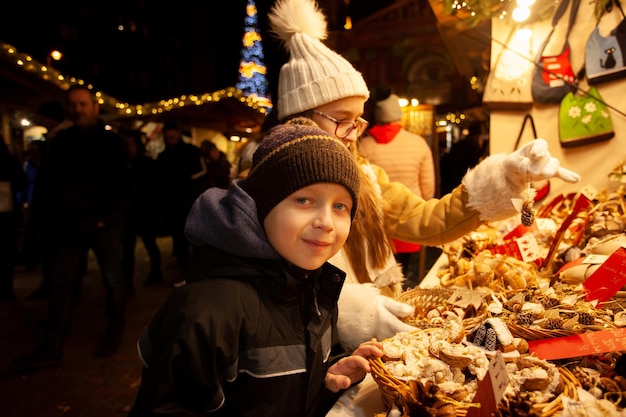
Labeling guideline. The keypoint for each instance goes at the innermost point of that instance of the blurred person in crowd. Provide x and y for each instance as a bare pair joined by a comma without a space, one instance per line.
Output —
182,174
463,155
217,165
253,332
32,246
82,200
317,82
12,182
244,162
34,225
406,158
143,210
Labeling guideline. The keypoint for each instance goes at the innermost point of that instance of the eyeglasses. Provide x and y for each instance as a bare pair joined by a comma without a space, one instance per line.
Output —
345,127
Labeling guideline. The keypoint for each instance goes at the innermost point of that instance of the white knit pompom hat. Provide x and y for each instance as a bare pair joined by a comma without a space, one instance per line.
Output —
314,75
388,110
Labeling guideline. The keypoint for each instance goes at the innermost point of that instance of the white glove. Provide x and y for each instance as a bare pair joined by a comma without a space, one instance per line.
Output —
499,179
533,162
364,313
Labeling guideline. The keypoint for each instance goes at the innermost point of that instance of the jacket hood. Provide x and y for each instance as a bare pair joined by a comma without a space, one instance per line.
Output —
227,220
385,133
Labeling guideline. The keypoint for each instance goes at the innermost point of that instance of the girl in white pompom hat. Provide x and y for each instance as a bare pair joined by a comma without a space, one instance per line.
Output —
318,83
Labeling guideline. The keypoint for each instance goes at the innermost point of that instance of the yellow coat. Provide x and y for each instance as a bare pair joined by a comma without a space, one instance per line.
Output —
429,222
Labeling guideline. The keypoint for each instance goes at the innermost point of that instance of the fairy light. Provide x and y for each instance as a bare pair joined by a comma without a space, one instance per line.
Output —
54,76
472,12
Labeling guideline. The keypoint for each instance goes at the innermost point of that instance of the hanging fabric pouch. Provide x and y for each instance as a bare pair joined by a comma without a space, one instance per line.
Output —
508,83
605,57
554,77
583,119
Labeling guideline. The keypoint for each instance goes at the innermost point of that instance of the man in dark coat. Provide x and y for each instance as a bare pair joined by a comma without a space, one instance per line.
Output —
182,173
83,196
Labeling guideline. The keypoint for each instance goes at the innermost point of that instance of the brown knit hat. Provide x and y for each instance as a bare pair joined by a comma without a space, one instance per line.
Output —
294,155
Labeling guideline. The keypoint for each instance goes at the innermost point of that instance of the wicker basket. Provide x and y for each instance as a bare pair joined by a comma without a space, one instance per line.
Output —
399,393
509,405
531,333
404,394
426,299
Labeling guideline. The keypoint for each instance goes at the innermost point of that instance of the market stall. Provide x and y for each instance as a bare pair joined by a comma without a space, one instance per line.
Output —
545,301
593,161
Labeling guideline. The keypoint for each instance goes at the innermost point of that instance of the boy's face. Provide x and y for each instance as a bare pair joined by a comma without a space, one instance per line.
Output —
310,226
349,108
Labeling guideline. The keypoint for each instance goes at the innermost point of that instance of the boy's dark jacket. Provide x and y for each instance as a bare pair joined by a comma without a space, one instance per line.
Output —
250,335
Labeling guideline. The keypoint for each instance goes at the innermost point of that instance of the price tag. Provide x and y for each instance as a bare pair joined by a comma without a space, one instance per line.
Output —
464,297
528,247
589,191
545,224
491,389
594,259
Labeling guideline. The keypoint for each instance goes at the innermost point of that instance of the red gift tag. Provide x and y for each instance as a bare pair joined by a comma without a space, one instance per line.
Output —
590,343
608,278
525,248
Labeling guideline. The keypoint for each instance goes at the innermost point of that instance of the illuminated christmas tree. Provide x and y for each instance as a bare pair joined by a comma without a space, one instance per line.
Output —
252,80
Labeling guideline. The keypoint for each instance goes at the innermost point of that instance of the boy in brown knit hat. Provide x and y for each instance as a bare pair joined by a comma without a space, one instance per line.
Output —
254,331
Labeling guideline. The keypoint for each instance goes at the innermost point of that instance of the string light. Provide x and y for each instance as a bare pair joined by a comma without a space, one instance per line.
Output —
54,76
472,12
348,22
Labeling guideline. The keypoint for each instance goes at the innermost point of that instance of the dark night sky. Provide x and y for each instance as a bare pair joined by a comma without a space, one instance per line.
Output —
205,59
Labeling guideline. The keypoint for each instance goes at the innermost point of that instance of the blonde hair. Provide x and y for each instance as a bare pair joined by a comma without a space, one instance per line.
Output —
368,241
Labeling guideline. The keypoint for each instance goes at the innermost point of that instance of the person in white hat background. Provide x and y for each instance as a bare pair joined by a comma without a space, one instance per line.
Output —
318,83
406,158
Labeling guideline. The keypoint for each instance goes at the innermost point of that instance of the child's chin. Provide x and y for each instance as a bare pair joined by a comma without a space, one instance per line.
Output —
309,266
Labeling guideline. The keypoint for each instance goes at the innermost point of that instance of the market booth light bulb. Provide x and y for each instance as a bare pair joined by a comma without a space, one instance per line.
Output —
56,55
520,14
523,35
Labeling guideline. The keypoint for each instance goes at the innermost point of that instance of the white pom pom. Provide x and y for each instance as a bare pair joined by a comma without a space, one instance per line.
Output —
289,17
